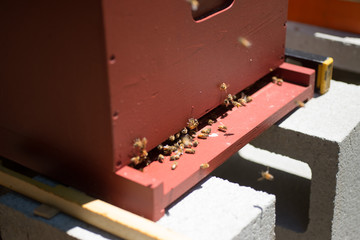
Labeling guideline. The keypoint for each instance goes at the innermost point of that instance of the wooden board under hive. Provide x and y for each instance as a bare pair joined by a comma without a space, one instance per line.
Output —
81,81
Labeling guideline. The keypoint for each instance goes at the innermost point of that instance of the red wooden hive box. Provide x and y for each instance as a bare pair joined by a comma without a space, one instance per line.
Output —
80,80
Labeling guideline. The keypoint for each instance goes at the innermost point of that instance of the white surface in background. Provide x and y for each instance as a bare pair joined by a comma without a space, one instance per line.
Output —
218,209
321,116
273,160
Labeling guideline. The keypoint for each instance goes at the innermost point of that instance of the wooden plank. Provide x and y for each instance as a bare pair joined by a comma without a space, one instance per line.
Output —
98,213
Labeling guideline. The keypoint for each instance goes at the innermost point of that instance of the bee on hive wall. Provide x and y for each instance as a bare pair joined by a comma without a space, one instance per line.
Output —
204,165
224,87
140,143
300,103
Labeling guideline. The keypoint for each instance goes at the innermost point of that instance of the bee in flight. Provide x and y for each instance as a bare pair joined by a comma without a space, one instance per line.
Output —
266,175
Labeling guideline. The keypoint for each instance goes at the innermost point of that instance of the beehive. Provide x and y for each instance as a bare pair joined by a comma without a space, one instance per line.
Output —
82,80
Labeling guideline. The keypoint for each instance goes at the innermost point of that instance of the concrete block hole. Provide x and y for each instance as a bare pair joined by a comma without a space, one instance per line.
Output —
291,184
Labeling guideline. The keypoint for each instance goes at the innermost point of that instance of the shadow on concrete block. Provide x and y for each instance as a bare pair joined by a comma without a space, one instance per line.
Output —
292,192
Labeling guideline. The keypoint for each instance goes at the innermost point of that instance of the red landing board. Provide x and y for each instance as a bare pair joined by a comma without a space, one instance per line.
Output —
269,104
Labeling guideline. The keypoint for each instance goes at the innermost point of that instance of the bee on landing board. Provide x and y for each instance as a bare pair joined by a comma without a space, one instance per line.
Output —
206,130
160,158
174,157
276,80
243,99
190,151
266,175
248,99
203,136
236,104
174,166
222,128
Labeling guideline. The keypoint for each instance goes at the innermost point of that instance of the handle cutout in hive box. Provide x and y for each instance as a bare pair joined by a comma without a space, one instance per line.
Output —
205,9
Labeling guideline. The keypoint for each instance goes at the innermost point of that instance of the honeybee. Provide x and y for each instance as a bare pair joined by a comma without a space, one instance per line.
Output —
266,175
226,102
242,102
300,103
203,135
184,131
204,165
160,158
192,123
186,140
248,99
141,144
194,4
188,145
206,130
178,135
136,160
222,128
190,150
143,153
246,43
195,143
210,122
174,166
236,104
172,138
242,99
167,149
278,81
174,157
224,87
160,147
230,97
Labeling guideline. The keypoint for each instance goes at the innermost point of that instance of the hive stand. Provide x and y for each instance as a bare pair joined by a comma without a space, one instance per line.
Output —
325,134
211,207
